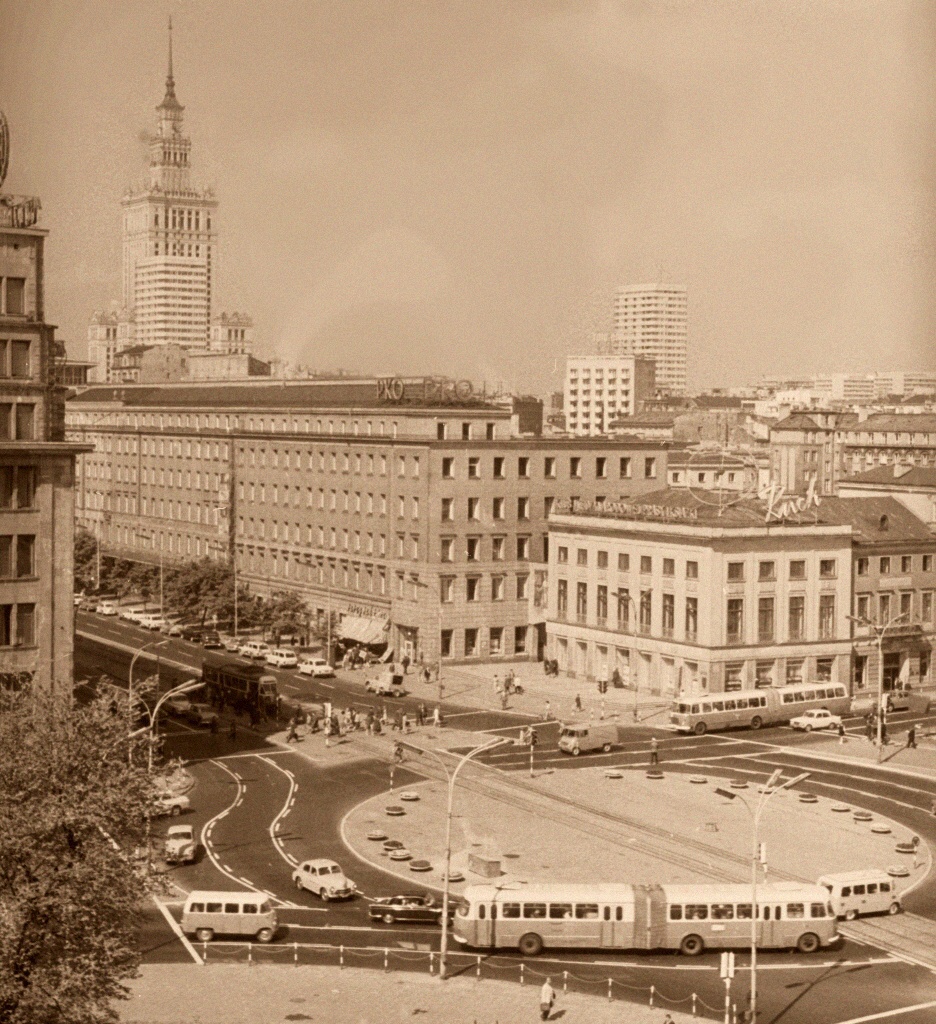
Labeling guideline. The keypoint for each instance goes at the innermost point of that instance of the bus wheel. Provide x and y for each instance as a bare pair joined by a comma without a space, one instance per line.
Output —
756,722
606,748
894,908
808,942
699,729
691,945
204,935
575,751
264,935
530,944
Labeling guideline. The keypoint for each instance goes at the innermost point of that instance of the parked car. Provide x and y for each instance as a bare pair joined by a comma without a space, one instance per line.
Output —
174,625
89,603
192,633
132,612
231,643
211,638
897,700
201,714
386,685
170,803
181,845
77,599
325,878
818,718
106,608
406,907
281,657
153,620
179,705
310,665
255,649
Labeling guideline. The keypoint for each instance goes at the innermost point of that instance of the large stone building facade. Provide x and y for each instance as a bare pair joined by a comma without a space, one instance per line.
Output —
409,503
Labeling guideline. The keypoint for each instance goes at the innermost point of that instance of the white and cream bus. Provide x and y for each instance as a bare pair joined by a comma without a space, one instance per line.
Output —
750,709
688,918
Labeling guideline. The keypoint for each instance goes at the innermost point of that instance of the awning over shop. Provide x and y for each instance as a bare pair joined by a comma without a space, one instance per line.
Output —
363,630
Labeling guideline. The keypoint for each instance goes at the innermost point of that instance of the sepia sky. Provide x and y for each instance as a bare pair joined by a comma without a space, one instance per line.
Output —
439,186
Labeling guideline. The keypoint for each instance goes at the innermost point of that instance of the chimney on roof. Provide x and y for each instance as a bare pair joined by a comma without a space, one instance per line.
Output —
900,470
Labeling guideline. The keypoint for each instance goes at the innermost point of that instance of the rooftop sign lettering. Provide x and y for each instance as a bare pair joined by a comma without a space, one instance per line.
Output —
626,509
426,391
782,506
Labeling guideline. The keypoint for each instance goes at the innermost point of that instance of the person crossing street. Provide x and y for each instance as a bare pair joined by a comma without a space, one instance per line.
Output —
547,998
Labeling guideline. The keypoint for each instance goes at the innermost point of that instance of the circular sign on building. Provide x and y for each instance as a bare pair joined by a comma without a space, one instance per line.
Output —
721,476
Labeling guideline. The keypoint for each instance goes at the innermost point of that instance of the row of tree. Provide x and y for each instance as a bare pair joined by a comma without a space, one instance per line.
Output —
200,591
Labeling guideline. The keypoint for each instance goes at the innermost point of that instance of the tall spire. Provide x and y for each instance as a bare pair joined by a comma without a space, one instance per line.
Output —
169,100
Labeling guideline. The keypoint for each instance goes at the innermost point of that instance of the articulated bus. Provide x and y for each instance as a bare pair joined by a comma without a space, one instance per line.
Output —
688,918
754,708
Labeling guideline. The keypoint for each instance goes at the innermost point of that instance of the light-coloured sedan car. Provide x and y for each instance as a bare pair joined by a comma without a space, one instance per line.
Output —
281,657
174,804
313,666
818,718
325,878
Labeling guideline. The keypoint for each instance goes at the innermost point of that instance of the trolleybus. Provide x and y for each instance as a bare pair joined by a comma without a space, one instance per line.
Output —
688,918
244,686
754,708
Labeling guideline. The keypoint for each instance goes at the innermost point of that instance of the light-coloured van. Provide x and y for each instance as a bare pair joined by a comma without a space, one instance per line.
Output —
582,737
209,913
861,892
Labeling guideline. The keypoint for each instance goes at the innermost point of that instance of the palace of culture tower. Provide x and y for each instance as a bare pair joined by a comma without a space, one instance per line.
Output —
168,249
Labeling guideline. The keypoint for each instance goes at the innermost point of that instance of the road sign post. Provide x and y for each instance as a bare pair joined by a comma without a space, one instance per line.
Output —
727,973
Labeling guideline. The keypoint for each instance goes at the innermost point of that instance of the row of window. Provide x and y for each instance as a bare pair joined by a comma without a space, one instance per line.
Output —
17,421
498,508
888,564
735,626
474,549
497,637
575,465
888,606
475,590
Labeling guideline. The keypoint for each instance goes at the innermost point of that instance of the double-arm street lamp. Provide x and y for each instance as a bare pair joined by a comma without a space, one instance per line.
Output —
769,788
879,630
451,775
176,691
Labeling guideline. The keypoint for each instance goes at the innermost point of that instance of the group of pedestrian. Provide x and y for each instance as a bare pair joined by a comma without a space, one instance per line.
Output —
873,723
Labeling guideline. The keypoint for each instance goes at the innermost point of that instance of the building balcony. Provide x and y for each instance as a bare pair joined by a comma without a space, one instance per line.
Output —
692,635
734,639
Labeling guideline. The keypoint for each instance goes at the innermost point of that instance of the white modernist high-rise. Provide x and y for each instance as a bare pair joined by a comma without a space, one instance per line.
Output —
651,321
168,239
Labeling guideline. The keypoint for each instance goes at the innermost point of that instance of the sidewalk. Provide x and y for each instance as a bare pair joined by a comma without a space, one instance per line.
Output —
184,994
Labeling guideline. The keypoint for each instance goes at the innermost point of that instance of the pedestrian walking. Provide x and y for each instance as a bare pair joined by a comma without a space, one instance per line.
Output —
232,731
841,733
578,702
547,998
654,750
869,726
668,1019
406,663
426,674
884,739
327,729
436,717
911,738
293,735
547,713
497,686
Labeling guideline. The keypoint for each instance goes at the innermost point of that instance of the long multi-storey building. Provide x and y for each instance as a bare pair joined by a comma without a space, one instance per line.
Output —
412,506
36,468
651,321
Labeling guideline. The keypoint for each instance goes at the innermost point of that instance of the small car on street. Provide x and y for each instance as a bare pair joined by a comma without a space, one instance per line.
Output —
818,718
255,649
152,620
106,608
132,612
192,633
201,714
179,705
172,803
231,643
411,907
212,639
310,665
281,657
325,878
386,686
181,845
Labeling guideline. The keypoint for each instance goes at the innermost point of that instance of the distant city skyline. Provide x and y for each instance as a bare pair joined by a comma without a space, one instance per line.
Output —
441,189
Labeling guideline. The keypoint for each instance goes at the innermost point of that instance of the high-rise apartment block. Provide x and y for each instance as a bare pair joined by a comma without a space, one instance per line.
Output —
651,321
599,389
37,467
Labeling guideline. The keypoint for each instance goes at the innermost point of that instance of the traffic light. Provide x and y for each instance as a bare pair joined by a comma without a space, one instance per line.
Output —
533,737
602,685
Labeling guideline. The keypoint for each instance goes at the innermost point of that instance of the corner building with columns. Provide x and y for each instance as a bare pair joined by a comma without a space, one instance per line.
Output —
414,507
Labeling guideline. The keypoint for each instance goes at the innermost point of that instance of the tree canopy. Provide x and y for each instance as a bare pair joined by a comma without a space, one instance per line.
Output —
72,802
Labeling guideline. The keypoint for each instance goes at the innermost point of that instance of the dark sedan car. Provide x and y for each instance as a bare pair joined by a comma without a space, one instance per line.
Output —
406,907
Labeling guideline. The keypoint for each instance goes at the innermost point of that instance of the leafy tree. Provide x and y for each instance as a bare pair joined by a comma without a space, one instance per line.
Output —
142,579
85,560
284,612
73,792
201,590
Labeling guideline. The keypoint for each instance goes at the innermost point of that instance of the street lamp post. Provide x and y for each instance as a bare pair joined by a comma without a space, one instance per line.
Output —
151,644
633,676
767,791
451,776
879,631
188,687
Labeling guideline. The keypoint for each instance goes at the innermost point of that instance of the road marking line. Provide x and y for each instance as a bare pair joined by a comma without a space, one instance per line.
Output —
889,1013
180,935
284,810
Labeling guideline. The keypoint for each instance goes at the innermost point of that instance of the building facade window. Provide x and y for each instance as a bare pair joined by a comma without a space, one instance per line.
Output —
826,616
765,619
796,619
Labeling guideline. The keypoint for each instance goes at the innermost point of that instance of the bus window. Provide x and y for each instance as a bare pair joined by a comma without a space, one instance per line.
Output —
808,695
766,913
482,911
731,705
675,912
743,912
840,691
794,910
788,698
213,908
695,709
250,908
696,911
618,913
534,910
872,888
859,890
817,910
606,913
885,887
560,911
718,705
510,910
586,911
722,912
846,890
706,709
